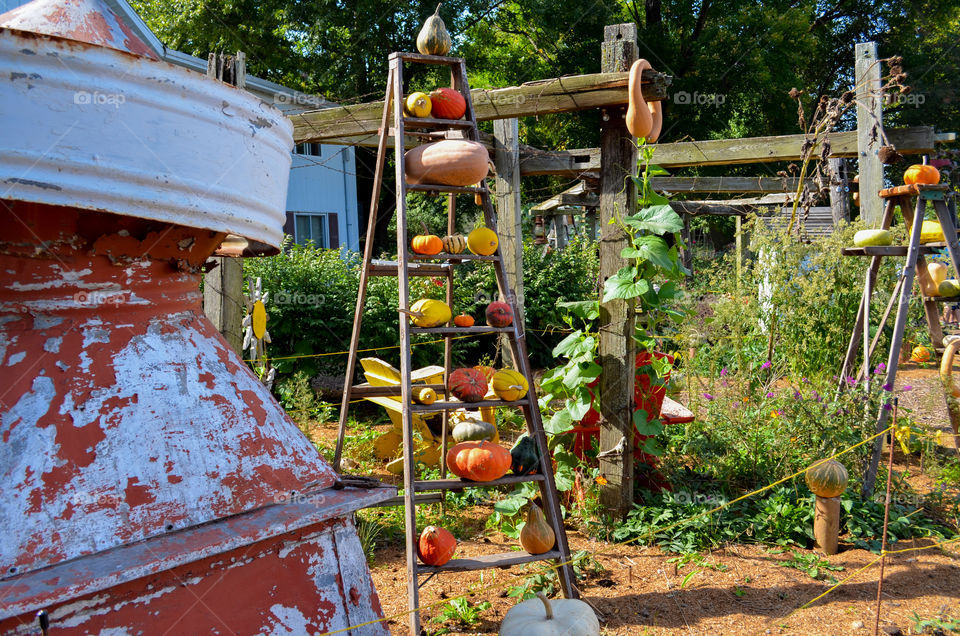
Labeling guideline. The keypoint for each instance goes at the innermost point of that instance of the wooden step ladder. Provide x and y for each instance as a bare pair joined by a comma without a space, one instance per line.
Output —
913,215
444,265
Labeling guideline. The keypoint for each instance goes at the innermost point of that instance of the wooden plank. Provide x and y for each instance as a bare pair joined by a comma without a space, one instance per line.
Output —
889,250
503,560
618,196
453,258
455,331
462,484
719,152
554,95
912,189
869,123
506,133
839,193
454,405
726,184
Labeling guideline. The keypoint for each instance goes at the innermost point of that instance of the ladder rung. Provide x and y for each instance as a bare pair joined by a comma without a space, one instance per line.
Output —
428,59
942,299
912,190
433,122
453,406
461,330
889,250
428,187
485,562
390,391
453,257
428,498
391,268
461,484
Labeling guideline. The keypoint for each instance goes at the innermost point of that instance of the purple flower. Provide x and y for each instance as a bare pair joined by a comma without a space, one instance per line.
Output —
769,394
806,381
888,387
796,395
723,372
906,388
852,381
887,407
735,405
766,365
816,396
707,396
880,368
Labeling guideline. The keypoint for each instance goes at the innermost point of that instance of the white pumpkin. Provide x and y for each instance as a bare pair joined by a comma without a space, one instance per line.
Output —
540,617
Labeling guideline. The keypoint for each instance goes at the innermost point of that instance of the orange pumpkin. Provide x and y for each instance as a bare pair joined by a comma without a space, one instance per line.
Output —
426,243
463,320
448,103
479,461
922,174
499,314
436,545
488,372
468,385
453,162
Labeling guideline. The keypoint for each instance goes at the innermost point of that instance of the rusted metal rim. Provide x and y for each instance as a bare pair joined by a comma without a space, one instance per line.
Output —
100,129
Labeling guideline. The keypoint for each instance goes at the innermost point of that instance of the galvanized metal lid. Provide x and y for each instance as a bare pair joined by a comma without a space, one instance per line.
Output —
113,129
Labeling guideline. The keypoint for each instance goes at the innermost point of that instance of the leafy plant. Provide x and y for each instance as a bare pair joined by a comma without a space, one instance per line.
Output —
812,564
462,611
942,623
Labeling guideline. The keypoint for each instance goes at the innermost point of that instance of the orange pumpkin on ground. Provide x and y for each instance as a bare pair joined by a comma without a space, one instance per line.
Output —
479,461
436,545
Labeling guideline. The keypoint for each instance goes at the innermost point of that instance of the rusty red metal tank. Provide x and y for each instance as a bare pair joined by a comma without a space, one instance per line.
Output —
150,483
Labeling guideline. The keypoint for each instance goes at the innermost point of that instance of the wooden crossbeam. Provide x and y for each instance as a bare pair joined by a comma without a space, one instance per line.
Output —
726,184
555,95
915,140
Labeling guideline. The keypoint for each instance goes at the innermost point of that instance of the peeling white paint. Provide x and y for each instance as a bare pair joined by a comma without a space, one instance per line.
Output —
290,620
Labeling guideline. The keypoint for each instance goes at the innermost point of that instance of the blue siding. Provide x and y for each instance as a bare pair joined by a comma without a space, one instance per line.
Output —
327,185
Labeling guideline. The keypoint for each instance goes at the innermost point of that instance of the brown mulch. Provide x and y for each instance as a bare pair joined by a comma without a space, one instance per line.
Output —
637,591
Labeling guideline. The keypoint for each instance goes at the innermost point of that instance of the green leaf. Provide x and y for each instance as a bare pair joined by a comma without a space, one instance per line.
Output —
580,405
561,422
624,284
650,248
586,310
568,344
652,447
645,424
582,373
657,219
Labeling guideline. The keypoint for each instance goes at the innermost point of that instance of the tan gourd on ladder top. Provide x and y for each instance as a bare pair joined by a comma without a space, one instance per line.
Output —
431,129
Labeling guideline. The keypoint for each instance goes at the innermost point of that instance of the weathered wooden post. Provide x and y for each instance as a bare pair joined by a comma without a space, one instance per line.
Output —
839,191
827,480
223,285
506,134
618,197
869,121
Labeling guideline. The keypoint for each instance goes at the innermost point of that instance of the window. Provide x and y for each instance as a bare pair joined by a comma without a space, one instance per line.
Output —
310,150
310,227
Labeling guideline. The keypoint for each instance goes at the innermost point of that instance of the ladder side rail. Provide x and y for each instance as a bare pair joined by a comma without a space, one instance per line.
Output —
403,283
364,276
893,359
949,234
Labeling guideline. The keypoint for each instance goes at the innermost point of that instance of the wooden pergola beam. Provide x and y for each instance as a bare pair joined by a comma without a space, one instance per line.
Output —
716,152
554,95
726,184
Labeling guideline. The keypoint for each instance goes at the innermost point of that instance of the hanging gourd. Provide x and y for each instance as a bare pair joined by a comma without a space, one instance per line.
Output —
537,536
921,174
454,244
482,241
468,385
509,385
463,320
429,313
433,38
426,243
643,120
499,314
542,617
453,162
448,103
478,461
418,104
436,546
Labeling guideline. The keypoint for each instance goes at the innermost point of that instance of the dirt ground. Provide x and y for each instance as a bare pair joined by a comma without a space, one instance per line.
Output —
742,590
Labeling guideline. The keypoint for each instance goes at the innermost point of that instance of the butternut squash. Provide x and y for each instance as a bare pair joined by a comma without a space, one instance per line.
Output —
643,119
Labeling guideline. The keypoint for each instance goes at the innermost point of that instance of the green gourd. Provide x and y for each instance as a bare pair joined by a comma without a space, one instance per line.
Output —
473,430
525,460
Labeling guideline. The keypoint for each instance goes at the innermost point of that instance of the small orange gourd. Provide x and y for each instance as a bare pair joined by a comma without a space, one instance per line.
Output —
479,461
922,174
463,320
426,243
436,545
537,536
